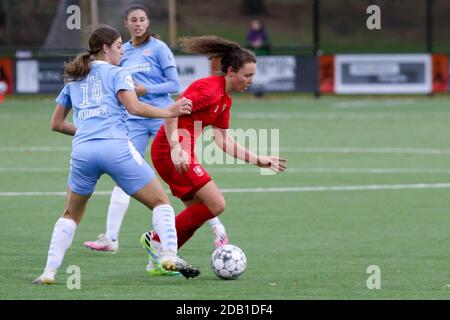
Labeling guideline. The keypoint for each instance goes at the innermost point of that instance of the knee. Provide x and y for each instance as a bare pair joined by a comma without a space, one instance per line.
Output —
160,201
160,198
119,196
218,207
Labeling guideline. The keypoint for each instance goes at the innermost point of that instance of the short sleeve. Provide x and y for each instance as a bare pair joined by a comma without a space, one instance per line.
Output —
166,58
64,97
201,96
123,81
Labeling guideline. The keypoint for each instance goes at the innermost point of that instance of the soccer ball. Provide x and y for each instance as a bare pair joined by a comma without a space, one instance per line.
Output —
228,262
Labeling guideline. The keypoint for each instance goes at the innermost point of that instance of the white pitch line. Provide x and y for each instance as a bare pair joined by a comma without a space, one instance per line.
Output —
289,170
373,187
319,116
373,103
25,169
322,116
33,149
418,151
339,170
346,150
252,170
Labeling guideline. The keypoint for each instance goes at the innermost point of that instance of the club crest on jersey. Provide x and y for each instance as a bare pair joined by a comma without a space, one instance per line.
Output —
146,52
129,81
198,171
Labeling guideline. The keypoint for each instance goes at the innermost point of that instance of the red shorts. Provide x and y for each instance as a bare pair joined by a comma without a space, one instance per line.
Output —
183,186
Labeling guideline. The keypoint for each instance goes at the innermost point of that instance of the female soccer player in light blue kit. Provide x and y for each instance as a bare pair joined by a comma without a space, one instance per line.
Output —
152,66
100,93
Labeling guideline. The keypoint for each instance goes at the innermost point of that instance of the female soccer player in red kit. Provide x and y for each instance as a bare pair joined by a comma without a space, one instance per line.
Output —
173,148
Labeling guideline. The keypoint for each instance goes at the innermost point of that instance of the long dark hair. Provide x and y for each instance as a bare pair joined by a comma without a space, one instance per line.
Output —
79,67
230,53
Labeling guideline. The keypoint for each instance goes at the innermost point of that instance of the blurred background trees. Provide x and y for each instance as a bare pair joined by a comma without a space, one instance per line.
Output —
35,23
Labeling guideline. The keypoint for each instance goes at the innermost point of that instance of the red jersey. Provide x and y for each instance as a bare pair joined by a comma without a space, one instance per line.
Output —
210,106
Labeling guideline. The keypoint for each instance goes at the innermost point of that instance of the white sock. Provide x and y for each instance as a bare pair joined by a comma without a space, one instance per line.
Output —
61,240
164,225
118,205
214,221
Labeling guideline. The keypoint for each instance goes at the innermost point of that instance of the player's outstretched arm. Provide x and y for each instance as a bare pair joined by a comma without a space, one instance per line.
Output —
276,164
129,99
58,122
233,148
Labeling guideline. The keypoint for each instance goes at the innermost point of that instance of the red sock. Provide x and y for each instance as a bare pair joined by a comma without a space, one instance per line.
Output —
188,221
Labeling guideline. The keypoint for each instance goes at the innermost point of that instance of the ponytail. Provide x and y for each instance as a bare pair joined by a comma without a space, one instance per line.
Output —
78,68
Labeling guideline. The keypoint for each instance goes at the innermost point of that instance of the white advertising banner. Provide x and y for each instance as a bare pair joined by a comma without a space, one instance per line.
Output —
382,73
274,73
191,68
27,76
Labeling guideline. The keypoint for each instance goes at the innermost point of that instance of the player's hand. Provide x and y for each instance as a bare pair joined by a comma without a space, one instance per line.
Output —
140,89
180,159
180,107
276,164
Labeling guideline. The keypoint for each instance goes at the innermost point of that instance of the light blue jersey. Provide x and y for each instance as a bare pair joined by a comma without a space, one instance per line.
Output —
147,65
101,143
152,65
97,112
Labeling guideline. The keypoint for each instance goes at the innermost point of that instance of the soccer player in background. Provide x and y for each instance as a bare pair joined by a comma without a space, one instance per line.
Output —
173,148
152,66
99,92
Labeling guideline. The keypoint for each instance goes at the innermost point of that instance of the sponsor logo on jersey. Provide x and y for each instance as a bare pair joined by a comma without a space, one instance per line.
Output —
216,109
147,52
141,67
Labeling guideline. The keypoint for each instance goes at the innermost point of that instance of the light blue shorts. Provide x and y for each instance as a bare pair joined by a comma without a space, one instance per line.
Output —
117,158
141,130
